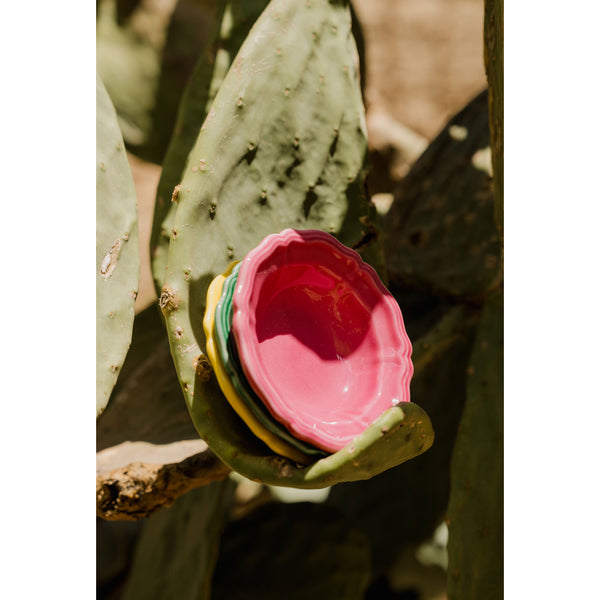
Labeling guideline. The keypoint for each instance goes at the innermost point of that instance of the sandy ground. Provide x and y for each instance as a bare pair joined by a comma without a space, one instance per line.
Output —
424,58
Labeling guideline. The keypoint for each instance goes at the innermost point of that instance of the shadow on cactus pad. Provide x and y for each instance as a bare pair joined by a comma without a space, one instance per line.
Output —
401,433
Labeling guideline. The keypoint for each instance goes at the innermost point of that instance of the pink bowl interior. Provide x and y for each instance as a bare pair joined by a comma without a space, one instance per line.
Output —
320,338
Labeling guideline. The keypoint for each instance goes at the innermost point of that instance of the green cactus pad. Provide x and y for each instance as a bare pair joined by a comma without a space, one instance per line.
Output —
233,23
148,333
284,145
440,233
117,253
475,512
176,553
401,433
145,53
305,551
146,403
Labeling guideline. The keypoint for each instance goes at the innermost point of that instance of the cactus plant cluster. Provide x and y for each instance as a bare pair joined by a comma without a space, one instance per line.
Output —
270,134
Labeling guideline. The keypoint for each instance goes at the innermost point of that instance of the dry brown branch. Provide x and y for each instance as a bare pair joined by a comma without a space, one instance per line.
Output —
137,488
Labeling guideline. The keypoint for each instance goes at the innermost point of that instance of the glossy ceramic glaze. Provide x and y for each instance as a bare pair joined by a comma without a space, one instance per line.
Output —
229,358
319,337
272,441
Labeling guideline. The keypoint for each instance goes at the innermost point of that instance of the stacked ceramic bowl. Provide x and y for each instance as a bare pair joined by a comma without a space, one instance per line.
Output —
307,344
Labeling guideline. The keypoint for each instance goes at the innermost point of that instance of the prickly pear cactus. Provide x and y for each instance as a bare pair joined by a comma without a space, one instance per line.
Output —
117,254
440,233
234,19
475,543
400,434
270,134
475,511
145,52
283,145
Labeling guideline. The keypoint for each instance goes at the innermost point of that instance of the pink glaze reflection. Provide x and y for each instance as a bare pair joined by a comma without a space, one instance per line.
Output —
319,337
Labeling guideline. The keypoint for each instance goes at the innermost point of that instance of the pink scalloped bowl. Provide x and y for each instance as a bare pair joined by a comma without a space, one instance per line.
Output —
320,338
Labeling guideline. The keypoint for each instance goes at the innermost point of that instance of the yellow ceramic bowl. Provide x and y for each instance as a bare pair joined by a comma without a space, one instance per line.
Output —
258,429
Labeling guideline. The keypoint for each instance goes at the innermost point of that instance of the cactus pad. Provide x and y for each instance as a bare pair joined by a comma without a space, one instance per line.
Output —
475,521
117,253
234,19
177,549
283,145
440,233
145,53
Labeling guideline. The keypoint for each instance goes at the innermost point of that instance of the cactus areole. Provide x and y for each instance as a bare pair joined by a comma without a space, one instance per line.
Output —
320,339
